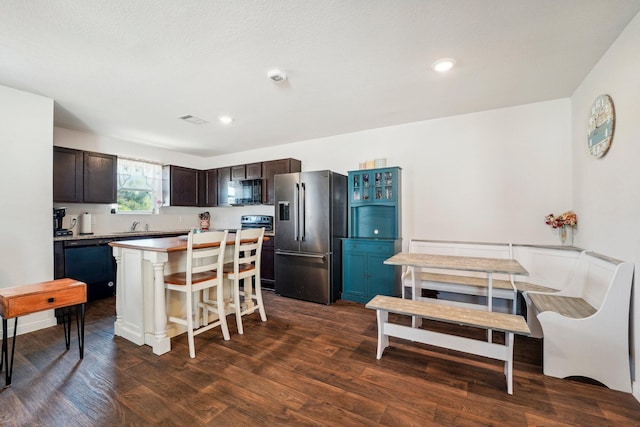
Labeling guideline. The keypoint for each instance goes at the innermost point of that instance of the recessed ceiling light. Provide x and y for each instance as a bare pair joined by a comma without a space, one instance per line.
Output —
225,120
443,65
193,119
277,75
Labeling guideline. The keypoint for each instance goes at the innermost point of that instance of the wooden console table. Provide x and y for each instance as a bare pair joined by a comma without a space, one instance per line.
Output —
27,299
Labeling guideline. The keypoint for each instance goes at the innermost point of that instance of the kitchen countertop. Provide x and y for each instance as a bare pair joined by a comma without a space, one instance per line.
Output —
166,244
127,234
121,234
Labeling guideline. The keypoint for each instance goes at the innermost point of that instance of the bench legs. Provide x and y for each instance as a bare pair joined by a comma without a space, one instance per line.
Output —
508,364
4,359
416,321
66,322
383,340
438,339
7,362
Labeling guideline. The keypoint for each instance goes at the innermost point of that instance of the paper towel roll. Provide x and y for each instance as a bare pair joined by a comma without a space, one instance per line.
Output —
85,223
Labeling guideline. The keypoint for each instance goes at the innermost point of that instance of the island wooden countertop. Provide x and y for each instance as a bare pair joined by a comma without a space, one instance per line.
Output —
165,244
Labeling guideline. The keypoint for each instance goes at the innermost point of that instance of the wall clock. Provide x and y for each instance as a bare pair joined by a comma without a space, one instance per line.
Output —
601,126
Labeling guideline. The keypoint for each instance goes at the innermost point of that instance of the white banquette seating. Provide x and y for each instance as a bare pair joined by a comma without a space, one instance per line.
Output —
578,301
585,326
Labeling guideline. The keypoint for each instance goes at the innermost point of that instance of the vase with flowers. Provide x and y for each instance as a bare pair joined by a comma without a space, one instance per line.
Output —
564,222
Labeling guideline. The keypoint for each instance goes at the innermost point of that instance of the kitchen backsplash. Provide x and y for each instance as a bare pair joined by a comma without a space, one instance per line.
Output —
169,218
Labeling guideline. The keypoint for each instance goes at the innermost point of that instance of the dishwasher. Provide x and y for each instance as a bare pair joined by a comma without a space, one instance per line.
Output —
91,261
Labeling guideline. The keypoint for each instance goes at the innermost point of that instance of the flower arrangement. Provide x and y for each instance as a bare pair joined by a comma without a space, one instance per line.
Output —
567,219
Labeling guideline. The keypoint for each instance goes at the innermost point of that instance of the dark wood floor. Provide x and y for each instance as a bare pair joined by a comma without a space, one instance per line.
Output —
309,364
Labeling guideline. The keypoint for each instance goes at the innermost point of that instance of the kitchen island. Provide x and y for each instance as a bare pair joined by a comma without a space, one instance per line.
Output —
141,303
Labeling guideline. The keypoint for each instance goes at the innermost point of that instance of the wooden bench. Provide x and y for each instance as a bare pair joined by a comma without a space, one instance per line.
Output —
26,299
508,323
585,326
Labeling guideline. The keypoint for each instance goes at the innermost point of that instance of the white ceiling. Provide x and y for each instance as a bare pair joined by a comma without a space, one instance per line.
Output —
130,68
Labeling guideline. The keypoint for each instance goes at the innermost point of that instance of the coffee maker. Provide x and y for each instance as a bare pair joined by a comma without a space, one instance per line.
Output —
58,214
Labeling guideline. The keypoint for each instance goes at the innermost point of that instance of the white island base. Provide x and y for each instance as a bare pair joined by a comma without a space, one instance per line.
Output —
141,302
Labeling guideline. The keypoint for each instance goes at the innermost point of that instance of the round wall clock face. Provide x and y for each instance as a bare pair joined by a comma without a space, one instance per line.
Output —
601,126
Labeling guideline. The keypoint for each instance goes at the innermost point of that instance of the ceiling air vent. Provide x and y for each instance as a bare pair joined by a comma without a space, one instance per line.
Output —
193,119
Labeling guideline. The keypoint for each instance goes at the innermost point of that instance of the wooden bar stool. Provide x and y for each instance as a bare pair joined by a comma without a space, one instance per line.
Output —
27,299
205,257
245,269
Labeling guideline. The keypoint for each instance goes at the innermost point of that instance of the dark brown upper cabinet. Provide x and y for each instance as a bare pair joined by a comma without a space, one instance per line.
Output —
211,187
182,186
84,177
238,172
253,170
224,177
271,169
100,178
67,175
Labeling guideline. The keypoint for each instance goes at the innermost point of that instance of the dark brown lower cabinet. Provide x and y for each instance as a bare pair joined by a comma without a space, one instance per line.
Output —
267,274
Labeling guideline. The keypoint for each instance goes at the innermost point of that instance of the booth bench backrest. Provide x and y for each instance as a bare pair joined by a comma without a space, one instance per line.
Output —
593,278
547,266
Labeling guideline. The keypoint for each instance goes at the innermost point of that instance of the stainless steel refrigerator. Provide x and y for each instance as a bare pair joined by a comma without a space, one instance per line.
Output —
311,218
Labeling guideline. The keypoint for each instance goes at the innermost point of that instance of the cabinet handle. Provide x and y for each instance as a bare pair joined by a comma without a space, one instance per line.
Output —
50,299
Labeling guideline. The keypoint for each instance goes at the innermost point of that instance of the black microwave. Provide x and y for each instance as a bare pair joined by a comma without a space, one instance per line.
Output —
245,192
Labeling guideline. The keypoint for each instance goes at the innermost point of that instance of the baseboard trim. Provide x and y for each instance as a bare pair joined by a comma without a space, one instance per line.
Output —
635,390
26,325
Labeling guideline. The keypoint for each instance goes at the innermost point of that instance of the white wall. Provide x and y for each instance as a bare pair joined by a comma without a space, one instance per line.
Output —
26,220
488,176
607,190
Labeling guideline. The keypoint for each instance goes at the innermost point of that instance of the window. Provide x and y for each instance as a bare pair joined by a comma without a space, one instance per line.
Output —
139,186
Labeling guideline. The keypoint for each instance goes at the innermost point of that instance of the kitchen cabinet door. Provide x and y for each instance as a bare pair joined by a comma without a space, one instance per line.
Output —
182,186
67,175
211,187
267,264
238,172
253,170
224,177
271,169
99,178
364,273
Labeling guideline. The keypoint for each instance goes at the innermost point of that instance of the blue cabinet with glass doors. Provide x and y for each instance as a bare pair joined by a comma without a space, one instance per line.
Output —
374,234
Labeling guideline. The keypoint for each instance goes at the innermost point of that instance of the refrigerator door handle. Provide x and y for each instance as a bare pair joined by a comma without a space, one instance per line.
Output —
299,254
303,225
296,209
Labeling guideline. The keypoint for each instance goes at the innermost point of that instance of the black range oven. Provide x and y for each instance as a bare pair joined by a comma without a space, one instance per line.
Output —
257,221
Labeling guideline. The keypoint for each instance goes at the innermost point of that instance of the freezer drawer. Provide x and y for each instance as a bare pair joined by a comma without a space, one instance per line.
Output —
304,276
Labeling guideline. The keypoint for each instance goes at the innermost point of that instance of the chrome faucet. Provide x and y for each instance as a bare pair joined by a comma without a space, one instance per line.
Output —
133,226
